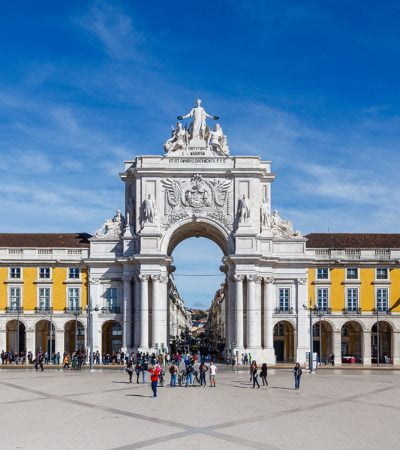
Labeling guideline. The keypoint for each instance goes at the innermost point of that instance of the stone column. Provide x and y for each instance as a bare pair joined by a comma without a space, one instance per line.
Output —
303,331
230,313
269,302
396,348
366,348
164,317
97,303
239,311
337,347
30,342
59,342
144,313
253,326
127,314
136,313
3,340
156,329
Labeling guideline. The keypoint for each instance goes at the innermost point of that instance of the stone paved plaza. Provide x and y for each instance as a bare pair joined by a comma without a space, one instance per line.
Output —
333,409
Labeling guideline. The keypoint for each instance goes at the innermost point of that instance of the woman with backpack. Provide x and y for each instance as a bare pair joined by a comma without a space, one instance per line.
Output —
263,374
297,372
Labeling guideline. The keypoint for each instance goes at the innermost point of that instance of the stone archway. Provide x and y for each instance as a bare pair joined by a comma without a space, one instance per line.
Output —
45,336
323,341
284,342
384,341
111,337
352,342
16,337
74,336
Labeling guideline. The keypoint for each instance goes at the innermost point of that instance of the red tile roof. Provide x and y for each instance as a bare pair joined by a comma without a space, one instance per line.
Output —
352,240
44,240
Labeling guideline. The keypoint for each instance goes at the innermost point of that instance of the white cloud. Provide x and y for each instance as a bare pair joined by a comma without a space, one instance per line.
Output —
26,161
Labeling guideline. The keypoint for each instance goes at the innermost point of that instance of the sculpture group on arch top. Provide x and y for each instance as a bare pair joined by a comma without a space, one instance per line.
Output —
199,196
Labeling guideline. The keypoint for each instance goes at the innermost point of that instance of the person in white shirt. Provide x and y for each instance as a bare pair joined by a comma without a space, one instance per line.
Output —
213,371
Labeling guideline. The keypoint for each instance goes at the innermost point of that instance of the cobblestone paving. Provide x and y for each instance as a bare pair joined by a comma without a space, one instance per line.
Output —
100,410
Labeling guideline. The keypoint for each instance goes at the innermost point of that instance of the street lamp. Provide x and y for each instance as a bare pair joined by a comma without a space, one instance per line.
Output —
377,334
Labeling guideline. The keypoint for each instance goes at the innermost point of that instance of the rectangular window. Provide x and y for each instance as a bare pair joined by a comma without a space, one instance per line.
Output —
352,299
352,274
44,298
322,298
381,273
112,298
284,299
73,298
322,273
74,273
15,298
44,273
382,299
15,272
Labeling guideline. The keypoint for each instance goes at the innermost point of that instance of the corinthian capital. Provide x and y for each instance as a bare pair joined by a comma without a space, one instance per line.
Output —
269,280
302,280
144,277
163,279
254,278
155,277
238,278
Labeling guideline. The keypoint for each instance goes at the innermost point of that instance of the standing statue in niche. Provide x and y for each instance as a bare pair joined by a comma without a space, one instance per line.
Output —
198,126
282,227
130,212
148,210
178,140
218,140
244,209
264,215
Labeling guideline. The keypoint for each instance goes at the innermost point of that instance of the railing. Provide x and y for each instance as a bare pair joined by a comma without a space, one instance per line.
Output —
382,311
351,310
112,310
320,311
383,253
283,310
45,251
353,253
13,310
43,310
73,310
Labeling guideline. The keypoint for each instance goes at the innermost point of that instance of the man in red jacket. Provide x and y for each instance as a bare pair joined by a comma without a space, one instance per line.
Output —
155,373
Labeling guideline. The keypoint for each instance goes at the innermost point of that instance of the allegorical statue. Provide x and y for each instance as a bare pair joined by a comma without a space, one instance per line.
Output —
198,125
264,215
148,210
178,140
244,209
218,140
283,227
112,228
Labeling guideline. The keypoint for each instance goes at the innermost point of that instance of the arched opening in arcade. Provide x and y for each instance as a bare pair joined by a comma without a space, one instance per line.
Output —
45,336
284,342
74,336
16,337
197,281
381,343
352,341
111,337
323,340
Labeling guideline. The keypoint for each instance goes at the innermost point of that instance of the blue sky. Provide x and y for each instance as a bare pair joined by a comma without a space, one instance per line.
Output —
311,85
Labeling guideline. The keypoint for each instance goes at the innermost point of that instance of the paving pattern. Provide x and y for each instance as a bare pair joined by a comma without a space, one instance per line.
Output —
55,409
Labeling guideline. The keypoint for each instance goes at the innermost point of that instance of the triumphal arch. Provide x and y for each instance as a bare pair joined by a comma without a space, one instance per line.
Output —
200,187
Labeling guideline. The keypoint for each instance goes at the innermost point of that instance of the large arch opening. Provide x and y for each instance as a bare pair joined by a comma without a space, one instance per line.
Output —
197,283
111,337
323,340
45,337
284,342
16,337
74,336
352,338
381,343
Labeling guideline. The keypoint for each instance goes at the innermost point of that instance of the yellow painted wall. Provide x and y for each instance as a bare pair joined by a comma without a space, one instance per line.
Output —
367,289
3,287
30,275
337,289
59,288
311,288
395,290
84,289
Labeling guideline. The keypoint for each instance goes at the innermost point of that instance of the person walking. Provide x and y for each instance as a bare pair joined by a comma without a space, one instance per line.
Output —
203,369
155,373
189,375
137,371
129,370
297,372
263,374
144,367
254,375
213,372
173,370
251,370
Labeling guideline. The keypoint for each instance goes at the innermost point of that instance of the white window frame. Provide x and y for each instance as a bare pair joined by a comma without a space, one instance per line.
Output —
347,297
74,268
105,296
322,279
80,297
278,298
327,299
43,286
10,287
358,273
387,272
386,288
14,278
44,267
